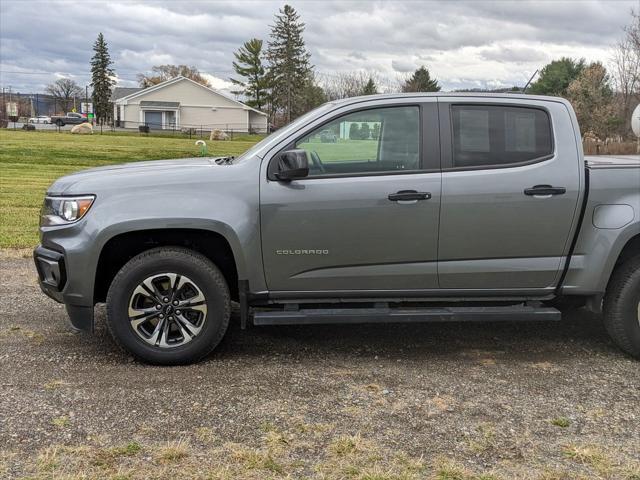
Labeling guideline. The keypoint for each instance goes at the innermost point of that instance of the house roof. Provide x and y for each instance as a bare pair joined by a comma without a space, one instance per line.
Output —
142,91
120,92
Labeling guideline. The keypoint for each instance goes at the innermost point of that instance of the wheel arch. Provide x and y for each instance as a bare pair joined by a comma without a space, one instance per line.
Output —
120,248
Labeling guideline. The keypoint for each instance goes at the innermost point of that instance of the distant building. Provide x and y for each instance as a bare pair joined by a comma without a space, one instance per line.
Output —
181,103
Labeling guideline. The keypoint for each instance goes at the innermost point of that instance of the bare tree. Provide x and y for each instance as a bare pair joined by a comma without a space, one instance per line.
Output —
591,96
347,84
65,90
162,73
626,72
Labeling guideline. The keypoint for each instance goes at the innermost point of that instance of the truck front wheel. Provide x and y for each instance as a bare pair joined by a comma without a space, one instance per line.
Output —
622,306
168,306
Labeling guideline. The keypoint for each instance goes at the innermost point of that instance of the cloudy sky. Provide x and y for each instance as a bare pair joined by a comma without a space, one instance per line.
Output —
465,44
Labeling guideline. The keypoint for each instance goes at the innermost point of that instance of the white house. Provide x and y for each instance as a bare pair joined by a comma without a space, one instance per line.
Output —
181,103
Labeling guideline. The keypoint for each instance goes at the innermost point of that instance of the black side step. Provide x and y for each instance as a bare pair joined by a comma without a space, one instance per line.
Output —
402,315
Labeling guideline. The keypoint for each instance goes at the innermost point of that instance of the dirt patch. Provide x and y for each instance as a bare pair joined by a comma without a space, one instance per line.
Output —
447,401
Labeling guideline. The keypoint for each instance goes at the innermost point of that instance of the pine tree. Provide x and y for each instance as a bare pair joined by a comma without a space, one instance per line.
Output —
101,79
248,64
370,88
289,66
421,81
365,131
375,131
354,131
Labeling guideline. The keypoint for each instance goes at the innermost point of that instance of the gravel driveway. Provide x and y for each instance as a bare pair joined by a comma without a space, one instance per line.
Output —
448,401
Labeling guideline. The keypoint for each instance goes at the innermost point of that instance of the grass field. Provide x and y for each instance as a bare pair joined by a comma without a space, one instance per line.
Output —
30,161
343,150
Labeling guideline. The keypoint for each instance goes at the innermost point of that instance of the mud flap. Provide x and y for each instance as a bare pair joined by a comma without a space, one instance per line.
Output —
81,318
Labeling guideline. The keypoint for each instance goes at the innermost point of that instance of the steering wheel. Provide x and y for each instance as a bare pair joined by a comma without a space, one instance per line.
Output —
315,158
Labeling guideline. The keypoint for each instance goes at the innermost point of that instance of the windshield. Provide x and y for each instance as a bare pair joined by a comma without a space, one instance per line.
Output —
279,134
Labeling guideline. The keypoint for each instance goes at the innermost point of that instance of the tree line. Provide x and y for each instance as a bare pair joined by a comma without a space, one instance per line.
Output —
278,77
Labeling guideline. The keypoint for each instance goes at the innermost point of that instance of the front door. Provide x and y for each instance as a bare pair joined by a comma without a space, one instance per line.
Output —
348,226
496,230
153,120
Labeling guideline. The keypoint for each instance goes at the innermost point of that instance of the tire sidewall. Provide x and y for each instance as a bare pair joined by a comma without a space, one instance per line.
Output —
629,309
621,307
216,299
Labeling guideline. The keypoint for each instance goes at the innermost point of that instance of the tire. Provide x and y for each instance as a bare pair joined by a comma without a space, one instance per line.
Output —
622,306
173,276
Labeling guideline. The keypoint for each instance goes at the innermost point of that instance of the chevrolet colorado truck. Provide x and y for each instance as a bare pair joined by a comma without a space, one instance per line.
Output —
462,208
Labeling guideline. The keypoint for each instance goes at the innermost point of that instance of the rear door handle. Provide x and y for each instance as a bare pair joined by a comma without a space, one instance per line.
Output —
544,190
406,195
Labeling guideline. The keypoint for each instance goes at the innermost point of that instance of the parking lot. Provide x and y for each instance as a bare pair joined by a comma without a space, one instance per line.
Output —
503,400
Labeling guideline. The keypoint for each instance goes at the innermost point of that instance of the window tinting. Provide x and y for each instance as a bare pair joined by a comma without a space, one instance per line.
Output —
493,135
368,141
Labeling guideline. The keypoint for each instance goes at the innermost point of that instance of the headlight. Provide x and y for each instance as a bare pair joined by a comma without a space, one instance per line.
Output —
64,210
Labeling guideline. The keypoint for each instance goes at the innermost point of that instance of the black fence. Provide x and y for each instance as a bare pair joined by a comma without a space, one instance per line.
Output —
218,131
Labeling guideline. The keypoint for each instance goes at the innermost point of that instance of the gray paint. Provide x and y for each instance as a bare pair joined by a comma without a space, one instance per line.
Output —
477,237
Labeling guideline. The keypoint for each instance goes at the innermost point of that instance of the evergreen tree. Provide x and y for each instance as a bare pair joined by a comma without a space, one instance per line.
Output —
365,131
354,131
421,81
375,131
101,79
248,64
556,76
370,88
289,66
311,96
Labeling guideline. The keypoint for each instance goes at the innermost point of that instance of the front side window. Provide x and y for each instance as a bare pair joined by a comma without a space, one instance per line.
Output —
495,135
368,141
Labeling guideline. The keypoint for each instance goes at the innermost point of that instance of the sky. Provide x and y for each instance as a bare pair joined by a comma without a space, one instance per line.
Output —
465,44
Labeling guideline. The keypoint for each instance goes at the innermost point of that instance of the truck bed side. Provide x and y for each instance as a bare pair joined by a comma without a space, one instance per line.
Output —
611,221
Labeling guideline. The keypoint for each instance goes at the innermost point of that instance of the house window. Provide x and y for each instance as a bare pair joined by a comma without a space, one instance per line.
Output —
158,120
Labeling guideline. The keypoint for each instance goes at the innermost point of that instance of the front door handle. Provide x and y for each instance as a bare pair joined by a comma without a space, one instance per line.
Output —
406,195
544,190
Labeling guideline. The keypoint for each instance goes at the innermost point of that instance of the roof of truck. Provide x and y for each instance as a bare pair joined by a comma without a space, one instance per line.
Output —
383,96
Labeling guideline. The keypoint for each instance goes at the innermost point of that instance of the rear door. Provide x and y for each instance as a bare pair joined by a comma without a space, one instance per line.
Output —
349,226
510,185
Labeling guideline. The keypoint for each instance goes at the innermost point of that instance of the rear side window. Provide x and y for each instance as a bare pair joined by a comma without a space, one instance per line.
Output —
497,135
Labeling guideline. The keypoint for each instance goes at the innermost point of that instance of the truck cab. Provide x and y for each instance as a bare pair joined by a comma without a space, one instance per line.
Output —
422,207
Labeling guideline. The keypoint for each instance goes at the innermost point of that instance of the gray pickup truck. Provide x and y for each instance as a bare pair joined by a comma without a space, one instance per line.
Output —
459,207
70,118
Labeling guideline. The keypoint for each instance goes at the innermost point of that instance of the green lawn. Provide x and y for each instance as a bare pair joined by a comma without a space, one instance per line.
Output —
344,150
30,161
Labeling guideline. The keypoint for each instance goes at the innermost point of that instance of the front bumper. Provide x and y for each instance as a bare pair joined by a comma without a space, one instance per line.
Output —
52,272
52,276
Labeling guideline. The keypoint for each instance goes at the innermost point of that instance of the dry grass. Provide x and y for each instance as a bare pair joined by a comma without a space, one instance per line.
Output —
55,384
306,450
173,452
61,422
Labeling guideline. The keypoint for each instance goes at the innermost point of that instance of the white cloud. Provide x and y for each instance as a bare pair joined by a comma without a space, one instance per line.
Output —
464,43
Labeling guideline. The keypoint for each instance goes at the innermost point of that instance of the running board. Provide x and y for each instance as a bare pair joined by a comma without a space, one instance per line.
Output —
310,316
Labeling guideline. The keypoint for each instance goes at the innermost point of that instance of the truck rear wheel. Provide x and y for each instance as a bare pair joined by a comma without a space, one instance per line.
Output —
622,306
168,306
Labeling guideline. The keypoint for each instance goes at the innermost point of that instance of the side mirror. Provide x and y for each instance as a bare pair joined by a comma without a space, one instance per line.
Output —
292,164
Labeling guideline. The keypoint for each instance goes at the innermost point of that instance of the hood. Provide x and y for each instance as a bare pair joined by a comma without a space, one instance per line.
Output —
130,174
